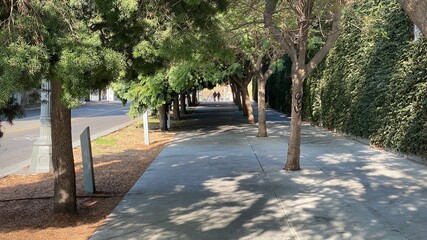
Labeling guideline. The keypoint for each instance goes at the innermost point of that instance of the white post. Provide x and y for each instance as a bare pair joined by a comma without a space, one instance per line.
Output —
41,158
168,122
146,133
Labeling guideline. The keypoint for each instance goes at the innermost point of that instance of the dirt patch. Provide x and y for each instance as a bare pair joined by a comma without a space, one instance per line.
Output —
119,160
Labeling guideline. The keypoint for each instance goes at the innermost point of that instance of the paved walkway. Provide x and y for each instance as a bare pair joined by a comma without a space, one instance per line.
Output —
219,181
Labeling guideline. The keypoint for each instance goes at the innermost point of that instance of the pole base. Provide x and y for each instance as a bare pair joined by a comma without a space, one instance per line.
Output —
41,159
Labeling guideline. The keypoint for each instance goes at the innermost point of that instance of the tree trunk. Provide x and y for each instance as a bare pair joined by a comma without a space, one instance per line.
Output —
262,123
245,107
189,100
183,106
99,94
247,103
176,114
239,98
416,9
233,92
194,97
294,143
163,117
64,198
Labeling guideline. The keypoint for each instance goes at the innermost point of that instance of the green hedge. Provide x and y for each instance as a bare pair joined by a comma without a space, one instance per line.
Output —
373,83
278,88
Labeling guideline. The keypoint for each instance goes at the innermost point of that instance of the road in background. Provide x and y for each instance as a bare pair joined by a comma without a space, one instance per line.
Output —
17,143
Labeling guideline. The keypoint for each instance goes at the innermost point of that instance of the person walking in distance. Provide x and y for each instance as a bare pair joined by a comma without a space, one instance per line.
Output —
218,96
214,96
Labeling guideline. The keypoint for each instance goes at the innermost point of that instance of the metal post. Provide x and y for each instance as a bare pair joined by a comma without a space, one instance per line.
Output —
168,121
88,174
41,158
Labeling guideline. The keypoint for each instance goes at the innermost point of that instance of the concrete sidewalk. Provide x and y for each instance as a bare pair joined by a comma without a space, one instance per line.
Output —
219,181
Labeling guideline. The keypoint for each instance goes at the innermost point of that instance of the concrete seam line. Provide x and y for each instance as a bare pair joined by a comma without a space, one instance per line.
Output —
272,189
383,219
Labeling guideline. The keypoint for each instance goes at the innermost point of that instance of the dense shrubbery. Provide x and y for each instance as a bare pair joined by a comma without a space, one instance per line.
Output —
278,89
373,83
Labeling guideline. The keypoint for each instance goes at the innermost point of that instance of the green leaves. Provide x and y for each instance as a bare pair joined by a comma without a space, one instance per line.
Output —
87,67
146,51
21,66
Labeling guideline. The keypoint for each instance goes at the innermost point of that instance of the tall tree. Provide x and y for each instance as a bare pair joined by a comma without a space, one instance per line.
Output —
417,11
293,34
71,57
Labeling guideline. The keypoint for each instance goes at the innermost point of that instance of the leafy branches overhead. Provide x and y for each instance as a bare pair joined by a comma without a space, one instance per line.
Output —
10,111
166,44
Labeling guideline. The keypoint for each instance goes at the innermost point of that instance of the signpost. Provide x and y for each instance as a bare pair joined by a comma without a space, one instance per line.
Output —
88,174
145,123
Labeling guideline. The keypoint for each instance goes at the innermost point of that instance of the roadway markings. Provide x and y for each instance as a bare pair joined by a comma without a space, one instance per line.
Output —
22,129
26,138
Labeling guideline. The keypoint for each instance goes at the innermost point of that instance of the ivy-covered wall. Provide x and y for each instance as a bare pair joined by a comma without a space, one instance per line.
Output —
278,88
373,83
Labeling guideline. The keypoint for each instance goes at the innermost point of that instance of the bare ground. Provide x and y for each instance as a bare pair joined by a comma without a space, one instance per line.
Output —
119,160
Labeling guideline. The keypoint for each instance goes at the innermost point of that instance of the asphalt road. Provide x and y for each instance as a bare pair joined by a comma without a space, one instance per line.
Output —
17,143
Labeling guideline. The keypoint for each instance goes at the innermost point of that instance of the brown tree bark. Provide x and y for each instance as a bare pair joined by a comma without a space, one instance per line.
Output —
189,99
262,122
242,87
417,12
247,104
176,113
233,93
163,117
194,97
294,142
64,198
258,64
182,103
238,97
244,106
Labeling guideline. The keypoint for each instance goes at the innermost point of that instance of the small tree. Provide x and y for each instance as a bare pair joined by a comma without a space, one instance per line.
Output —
289,24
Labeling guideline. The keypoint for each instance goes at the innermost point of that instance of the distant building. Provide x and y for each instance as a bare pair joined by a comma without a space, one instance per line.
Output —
106,94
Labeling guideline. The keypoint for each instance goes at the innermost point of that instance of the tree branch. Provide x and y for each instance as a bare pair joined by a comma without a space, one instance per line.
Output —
332,38
284,41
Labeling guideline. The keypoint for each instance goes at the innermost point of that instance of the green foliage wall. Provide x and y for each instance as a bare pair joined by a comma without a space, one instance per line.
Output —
278,88
374,82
